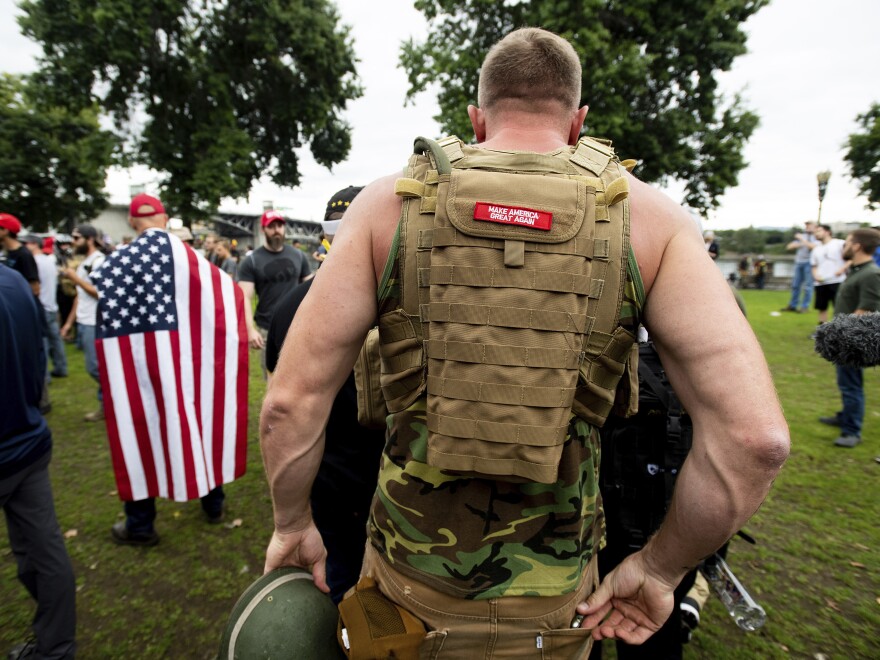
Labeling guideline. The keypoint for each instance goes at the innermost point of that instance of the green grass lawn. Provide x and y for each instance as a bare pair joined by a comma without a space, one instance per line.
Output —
815,568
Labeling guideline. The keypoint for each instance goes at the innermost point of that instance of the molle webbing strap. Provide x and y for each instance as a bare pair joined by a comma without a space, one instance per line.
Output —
521,278
508,317
513,395
584,247
510,356
476,429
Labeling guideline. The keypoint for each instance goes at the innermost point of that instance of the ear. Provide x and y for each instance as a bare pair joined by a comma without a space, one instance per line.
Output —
577,122
478,121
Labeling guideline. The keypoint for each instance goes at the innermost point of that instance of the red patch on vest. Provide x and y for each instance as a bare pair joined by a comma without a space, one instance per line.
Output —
513,215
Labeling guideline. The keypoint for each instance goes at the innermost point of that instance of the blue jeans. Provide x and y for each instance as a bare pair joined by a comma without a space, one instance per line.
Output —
849,382
55,346
803,278
87,334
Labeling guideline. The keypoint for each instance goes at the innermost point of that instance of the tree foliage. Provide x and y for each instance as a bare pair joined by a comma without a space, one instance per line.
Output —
863,155
54,160
212,93
649,76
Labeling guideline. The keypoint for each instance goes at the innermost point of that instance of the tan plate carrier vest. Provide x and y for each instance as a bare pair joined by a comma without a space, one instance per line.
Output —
509,328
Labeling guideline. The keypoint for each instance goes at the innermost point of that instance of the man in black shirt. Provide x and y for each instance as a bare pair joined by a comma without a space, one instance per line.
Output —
17,256
269,272
346,481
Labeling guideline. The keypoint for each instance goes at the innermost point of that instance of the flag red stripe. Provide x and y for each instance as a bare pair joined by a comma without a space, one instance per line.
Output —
195,327
189,470
242,387
138,416
123,485
218,428
153,370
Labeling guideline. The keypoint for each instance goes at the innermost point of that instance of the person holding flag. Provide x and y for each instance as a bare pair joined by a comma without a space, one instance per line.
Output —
172,349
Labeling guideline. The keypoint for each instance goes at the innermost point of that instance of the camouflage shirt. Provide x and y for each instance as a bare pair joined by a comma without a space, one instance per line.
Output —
481,538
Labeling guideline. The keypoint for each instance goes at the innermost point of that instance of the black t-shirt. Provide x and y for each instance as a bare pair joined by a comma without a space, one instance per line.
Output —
350,466
23,261
273,274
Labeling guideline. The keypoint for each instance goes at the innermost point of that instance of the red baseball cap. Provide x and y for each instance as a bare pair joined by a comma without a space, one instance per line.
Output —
138,203
10,223
48,245
271,216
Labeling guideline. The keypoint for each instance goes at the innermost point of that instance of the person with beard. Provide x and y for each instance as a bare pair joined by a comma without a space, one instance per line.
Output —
858,294
85,307
269,272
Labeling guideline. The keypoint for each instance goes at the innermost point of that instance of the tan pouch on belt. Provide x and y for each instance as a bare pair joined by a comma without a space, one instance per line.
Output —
371,626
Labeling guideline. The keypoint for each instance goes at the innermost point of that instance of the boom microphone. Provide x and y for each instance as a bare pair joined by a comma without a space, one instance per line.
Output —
850,340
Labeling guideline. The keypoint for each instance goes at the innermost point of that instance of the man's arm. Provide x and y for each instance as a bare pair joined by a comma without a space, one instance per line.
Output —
71,319
315,360
740,436
255,339
305,270
800,240
84,284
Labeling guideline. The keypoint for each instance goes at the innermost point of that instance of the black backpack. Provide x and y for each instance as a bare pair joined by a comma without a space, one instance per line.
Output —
642,455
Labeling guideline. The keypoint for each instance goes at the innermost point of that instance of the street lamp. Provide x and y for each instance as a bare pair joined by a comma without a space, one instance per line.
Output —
822,180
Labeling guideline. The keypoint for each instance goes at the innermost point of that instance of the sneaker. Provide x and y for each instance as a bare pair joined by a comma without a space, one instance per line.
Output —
58,374
24,650
96,416
831,421
122,536
848,441
788,309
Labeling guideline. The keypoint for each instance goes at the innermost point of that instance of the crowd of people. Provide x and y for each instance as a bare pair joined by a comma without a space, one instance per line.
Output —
477,502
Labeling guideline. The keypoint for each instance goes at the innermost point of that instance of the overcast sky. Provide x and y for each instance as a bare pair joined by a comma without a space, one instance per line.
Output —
812,67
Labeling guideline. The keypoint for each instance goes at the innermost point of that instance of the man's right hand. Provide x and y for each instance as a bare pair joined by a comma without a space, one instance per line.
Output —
65,331
631,604
255,339
304,548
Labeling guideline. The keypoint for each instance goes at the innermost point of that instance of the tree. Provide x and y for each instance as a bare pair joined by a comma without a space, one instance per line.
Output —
54,160
214,94
864,155
649,76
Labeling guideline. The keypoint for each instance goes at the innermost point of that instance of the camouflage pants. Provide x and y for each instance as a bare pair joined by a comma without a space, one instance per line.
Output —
512,627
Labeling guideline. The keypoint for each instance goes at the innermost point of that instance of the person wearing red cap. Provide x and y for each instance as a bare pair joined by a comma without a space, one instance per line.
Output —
16,255
85,306
148,219
269,271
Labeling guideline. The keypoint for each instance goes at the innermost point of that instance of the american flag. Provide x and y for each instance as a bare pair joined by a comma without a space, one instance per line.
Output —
173,357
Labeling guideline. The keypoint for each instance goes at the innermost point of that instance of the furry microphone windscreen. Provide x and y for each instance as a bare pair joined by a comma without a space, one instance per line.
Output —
850,340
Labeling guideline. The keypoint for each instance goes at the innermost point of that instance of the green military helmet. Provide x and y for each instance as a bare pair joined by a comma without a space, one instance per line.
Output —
282,615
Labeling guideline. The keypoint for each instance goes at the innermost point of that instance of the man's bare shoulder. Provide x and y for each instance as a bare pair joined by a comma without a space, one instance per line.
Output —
376,211
655,219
